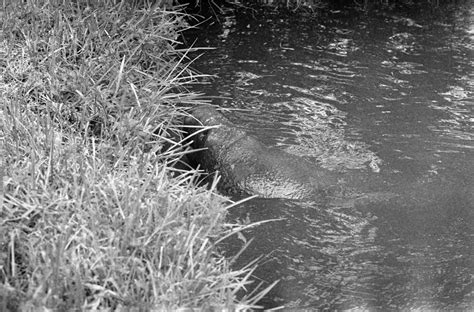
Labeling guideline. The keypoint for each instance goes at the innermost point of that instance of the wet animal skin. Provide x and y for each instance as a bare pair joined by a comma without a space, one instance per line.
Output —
246,165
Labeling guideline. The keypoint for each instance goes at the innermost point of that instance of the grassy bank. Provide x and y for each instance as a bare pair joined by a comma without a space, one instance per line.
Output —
92,215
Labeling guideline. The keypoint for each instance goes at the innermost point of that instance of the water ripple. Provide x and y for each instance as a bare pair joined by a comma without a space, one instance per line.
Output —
347,91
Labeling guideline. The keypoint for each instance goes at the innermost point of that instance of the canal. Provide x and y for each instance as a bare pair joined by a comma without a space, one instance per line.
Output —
387,98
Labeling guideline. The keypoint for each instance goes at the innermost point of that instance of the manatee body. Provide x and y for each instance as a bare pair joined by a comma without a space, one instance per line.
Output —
246,165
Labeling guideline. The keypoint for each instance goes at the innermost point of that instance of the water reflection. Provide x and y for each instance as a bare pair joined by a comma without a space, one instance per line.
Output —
365,252
317,251
386,98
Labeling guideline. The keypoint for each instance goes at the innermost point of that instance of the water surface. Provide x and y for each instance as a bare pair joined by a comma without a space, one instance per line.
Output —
386,98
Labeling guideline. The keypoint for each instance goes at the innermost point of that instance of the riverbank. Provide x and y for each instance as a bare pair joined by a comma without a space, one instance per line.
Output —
94,216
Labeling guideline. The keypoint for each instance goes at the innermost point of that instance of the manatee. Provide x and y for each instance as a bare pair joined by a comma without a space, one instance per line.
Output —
248,166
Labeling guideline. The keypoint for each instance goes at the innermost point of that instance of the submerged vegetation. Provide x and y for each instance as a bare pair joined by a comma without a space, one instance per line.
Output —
93,215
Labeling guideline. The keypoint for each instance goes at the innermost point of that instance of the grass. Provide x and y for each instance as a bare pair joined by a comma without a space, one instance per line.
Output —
93,214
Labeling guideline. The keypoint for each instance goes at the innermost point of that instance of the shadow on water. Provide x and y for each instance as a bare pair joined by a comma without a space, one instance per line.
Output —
385,98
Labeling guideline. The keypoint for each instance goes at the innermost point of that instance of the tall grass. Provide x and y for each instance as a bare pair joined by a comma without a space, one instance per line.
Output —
93,215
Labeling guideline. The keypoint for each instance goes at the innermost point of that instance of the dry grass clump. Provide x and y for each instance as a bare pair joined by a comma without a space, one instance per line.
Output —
92,216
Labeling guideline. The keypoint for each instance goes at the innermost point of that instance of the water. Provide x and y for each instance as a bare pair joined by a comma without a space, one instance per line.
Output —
386,98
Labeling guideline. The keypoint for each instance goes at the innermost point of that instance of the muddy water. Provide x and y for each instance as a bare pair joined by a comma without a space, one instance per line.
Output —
388,99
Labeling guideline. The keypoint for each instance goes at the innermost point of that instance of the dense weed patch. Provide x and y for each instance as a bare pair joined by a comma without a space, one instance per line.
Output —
93,216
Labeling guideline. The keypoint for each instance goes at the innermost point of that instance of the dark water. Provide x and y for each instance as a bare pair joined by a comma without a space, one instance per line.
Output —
386,97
